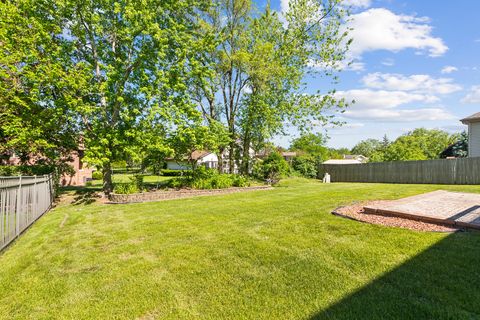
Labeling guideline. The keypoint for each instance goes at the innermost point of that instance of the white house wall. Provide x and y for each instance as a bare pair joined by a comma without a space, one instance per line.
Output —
209,158
474,139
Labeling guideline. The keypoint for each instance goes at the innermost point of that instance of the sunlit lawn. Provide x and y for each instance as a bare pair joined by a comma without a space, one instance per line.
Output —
275,254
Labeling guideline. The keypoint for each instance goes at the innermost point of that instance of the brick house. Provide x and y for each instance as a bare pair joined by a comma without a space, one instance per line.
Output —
82,172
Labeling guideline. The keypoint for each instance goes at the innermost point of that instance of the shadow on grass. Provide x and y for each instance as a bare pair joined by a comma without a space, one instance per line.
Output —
443,282
81,195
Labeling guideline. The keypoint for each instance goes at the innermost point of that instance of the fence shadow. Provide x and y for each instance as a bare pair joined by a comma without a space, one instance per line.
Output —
443,282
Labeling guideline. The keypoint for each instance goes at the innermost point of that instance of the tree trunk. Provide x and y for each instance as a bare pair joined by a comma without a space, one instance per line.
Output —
231,158
246,155
107,179
220,160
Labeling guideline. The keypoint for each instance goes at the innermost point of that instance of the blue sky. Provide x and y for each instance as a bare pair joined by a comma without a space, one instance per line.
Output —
416,64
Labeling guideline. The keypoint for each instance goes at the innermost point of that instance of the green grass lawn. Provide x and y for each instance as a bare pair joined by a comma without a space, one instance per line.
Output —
275,254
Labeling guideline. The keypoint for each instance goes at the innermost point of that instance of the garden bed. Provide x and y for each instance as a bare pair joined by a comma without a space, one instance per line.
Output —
357,212
177,194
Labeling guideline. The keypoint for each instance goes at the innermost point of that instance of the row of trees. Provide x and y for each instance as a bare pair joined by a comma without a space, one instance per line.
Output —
419,144
148,79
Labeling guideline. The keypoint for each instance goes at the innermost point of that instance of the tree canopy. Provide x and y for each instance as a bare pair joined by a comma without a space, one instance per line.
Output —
419,144
138,80
311,143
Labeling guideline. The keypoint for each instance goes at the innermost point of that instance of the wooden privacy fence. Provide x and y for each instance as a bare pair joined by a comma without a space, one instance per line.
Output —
22,201
444,171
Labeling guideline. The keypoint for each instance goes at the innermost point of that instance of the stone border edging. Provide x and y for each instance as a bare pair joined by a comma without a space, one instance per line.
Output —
115,198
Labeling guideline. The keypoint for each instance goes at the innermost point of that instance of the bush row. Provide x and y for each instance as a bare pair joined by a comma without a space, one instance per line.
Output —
24,170
217,181
135,185
175,173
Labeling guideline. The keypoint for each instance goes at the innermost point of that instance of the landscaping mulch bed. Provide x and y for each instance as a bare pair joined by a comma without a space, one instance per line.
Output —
356,212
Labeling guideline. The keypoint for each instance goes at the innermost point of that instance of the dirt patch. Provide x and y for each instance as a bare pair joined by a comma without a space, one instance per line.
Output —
356,212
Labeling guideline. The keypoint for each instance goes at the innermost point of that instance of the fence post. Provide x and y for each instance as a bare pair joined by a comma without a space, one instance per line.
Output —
19,206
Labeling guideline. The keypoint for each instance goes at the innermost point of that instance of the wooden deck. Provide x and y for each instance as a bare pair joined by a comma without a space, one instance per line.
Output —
444,207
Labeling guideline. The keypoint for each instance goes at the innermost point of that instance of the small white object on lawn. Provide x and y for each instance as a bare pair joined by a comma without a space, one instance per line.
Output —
326,178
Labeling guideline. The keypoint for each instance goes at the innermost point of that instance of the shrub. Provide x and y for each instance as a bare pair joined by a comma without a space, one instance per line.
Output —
175,173
208,179
31,170
125,188
306,165
97,175
137,180
241,181
274,167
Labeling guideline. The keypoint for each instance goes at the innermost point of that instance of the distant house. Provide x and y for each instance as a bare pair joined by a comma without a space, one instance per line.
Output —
205,158
473,123
289,155
342,161
82,173
358,157
348,159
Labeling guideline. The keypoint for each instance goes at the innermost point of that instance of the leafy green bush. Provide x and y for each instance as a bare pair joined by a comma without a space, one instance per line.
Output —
306,165
137,180
125,188
175,173
97,175
208,179
240,181
135,185
33,170
273,168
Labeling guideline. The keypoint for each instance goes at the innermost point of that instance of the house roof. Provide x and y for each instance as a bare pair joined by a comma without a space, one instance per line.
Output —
196,155
342,161
473,118
289,154
199,154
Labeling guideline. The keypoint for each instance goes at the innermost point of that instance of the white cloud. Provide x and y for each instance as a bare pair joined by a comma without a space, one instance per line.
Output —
382,99
381,29
388,62
342,65
384,105
345,125
358,3
420,83
448,69
452,128
402,115
284,5
473,96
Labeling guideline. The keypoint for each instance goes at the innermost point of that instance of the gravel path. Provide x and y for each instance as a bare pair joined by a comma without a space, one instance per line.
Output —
356,212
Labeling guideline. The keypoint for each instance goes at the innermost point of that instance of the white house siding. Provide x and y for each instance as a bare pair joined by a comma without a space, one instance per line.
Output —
474,139
210,161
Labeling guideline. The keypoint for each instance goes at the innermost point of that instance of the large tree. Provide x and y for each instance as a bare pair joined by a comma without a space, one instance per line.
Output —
419,144
138,55
255,88
39,84
112,72
367,147
311,143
